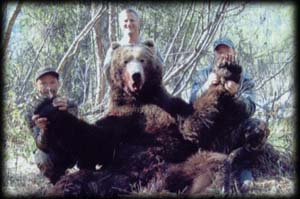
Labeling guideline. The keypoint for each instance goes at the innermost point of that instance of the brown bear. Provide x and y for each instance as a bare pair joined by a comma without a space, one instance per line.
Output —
140,142
151,148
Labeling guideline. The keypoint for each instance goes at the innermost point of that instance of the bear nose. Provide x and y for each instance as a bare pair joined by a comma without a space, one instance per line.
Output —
136,77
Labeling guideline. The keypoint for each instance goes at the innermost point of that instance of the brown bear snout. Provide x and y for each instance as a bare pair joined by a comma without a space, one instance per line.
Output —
137,78
134,76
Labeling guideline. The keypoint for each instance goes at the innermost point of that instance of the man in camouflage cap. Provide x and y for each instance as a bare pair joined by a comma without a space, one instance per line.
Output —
51,162
242,95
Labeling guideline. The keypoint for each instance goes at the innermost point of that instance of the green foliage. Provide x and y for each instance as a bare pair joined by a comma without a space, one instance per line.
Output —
282,134
41,36
18,140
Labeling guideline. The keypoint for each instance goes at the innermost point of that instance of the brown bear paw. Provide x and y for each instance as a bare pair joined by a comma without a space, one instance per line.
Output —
71,184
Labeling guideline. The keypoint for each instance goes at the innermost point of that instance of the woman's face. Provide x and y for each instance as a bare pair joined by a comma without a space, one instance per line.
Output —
129,23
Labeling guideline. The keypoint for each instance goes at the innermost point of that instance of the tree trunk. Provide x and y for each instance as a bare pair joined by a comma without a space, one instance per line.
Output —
11,23
101,44
112,22
74,46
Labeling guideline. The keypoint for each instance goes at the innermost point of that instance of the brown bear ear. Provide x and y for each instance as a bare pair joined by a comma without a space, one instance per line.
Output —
115,45
149,43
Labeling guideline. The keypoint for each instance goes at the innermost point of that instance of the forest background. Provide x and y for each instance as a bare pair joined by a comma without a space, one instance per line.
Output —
74,38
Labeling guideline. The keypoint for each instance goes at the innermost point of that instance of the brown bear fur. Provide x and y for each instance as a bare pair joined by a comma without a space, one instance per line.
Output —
219,113
135,78
202,173
155,150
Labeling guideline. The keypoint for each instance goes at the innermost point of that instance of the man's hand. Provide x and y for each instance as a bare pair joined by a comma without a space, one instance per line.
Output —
220,60
61,103
40,122
231,58
231,87
212,79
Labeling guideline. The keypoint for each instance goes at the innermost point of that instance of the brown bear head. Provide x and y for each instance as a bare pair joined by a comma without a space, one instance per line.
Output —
135,69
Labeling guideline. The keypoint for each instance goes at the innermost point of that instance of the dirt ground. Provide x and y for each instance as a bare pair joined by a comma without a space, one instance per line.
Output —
22,178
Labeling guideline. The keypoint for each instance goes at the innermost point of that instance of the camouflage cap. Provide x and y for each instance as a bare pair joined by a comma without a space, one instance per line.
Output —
43,71
223,41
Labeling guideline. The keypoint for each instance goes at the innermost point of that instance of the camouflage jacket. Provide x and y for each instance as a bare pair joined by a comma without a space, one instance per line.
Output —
40,140
245,94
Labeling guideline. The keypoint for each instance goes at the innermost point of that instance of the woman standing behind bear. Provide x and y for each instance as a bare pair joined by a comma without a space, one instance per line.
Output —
130,23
